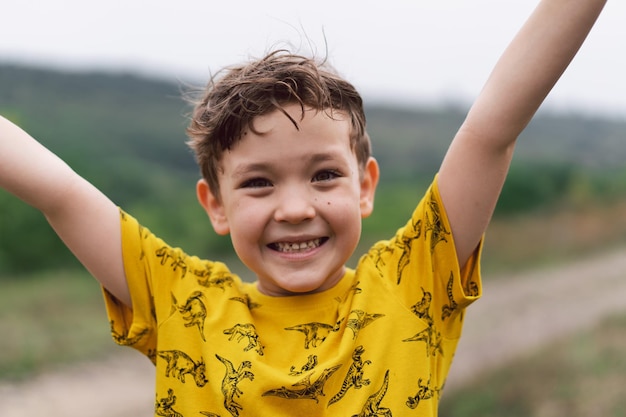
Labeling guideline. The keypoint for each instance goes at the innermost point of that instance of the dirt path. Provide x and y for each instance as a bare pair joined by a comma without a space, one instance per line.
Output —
523,313
514,317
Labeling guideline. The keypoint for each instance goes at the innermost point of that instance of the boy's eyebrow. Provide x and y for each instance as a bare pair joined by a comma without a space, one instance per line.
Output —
323,156
244,169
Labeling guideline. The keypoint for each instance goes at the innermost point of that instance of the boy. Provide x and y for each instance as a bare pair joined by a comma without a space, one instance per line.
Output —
287,173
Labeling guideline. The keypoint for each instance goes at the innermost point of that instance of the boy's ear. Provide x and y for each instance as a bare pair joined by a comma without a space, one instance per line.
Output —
213,207
369,181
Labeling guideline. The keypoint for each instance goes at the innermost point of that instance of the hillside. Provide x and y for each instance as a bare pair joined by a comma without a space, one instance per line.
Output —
125,134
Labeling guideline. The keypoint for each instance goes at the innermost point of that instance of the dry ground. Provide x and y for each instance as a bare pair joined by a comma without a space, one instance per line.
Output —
515,316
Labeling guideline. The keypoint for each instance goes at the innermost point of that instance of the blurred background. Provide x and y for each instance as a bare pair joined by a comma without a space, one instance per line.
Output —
101,86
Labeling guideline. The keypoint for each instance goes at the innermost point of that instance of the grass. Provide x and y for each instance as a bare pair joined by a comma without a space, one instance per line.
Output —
580,376
51,319
552,236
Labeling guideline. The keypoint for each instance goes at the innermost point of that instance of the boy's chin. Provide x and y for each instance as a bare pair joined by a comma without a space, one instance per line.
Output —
297,287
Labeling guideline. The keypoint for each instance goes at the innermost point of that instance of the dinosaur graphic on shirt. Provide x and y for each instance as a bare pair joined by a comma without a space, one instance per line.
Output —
307,390
432,338
372,406
230,384
245,299
403,243
354,377
180,364
377,255
361,320
448,309
310,364
123,339
422,308
353,290
178,262
435,225
164,407
425,392
219,280
315,333
194,311
472,289
248,331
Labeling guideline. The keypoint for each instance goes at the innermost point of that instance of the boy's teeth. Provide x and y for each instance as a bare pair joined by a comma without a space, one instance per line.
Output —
294,247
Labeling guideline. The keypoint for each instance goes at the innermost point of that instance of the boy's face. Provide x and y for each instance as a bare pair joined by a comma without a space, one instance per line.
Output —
292,200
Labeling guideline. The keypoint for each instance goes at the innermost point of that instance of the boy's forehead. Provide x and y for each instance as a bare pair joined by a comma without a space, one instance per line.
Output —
312,136
292,116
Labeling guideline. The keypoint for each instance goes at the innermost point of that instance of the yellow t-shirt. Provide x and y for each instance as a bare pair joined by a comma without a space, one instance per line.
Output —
379,343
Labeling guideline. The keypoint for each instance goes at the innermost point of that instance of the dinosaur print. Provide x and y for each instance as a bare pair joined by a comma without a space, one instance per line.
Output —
180,364
315,333
230,388
143,234
194,311
245,299
166,253
354,377
310,364
472,289
248,331
124,340
362,320
404,245
448,309
354,288
422,308
432,338
309,390
163,406
372,406
220,280
425,392
435,225
376,255
152,355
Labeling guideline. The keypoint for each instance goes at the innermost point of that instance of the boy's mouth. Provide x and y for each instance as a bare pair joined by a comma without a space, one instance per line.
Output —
290,247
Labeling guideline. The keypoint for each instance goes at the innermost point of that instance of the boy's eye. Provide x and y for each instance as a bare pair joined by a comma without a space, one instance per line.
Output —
256,183
326,175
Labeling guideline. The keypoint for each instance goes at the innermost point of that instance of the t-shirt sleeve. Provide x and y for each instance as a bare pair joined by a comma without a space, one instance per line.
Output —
136,327
421,266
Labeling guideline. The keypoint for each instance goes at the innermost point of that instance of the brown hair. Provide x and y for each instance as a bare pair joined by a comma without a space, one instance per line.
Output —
235,96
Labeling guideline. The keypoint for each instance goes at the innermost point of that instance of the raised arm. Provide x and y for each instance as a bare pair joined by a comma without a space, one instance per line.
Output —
475,166
84,218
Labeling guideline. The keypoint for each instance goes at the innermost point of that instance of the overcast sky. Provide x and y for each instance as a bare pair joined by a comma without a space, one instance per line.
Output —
435,51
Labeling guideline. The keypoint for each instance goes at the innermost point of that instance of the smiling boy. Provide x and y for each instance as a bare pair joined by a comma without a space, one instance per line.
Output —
291,195
287,173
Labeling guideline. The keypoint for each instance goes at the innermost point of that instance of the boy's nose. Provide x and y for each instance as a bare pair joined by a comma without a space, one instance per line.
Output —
294,206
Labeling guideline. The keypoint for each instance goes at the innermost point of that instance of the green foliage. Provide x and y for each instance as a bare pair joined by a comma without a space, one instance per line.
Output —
52,318
410,143
27,242
533,185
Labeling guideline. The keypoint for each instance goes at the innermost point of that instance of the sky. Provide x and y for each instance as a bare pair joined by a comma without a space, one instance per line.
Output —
436,52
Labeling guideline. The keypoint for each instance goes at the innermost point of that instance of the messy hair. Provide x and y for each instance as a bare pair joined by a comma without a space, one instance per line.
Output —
237,95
